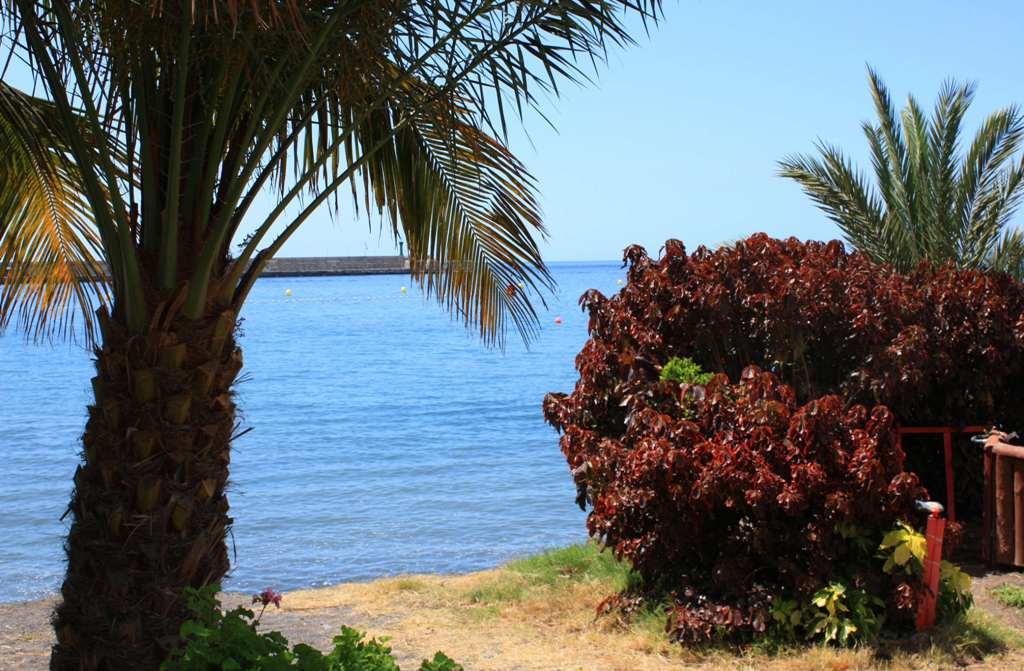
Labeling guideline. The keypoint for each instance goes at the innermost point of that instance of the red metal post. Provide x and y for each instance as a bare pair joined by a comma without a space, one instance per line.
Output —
932,572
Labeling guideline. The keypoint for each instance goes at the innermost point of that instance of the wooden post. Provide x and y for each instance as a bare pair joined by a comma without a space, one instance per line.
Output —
1018,512
1004,509
987,514
947,448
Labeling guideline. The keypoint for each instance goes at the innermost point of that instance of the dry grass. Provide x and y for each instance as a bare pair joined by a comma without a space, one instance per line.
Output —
538,615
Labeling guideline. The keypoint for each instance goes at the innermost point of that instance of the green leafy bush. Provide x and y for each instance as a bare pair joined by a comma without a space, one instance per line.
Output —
849,608
835,613
840,614
685,370
214,640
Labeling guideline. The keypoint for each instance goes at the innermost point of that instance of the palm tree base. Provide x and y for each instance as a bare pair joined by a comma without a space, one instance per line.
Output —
149,514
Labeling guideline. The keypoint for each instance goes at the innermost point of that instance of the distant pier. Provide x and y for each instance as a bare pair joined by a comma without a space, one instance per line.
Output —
320,266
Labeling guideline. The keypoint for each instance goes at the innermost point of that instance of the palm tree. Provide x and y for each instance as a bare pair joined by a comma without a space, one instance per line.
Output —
930,202
160,124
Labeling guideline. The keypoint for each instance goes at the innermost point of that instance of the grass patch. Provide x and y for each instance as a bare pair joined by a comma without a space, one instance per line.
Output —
479,614
499,590
969,638
409,584
1009,595
583,562
533,577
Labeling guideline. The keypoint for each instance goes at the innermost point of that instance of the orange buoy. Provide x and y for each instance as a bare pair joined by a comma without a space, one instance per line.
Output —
558,320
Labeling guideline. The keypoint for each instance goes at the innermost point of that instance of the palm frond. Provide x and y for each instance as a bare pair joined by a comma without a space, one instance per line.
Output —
842,194
896,162
468,209
947,119
50,252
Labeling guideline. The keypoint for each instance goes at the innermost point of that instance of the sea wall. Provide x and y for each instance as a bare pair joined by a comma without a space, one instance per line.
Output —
309,266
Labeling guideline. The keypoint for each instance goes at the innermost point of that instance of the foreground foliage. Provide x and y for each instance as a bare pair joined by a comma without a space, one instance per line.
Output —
214,640
929,201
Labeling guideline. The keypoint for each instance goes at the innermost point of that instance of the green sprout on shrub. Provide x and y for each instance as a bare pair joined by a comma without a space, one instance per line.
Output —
685,370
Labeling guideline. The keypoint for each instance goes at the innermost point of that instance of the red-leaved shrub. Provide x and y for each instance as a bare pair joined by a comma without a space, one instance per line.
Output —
730,494
733,493
938,346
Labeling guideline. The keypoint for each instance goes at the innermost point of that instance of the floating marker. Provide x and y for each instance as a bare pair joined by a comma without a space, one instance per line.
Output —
287,292
558,320
522,285
619,282
404,290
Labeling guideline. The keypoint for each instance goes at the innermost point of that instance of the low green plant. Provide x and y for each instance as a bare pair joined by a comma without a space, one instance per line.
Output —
215,640
904,549
1009,595
834,614
685,370
955,596
787,619
841,614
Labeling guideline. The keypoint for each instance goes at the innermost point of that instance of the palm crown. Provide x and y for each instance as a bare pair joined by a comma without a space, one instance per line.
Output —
929,201
168,118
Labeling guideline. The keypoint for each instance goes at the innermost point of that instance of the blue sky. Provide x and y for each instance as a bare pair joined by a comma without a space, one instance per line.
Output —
680,136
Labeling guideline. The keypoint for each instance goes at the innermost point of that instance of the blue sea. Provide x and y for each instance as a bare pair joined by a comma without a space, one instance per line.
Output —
385,438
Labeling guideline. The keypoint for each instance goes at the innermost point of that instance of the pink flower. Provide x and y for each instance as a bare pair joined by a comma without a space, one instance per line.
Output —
267,597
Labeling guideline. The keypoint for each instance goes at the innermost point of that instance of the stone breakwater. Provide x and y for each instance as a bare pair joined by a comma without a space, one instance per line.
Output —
321,266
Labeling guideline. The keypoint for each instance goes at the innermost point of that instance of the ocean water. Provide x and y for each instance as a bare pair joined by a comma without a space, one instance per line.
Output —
385,438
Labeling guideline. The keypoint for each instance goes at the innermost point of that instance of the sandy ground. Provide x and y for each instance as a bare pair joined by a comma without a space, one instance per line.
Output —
422,614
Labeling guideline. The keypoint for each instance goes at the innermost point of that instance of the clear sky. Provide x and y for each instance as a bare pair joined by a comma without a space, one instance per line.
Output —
680,136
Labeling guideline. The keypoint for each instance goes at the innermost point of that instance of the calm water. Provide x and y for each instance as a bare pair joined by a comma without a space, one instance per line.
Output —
385,438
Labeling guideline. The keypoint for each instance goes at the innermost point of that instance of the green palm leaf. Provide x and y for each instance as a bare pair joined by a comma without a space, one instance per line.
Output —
50,252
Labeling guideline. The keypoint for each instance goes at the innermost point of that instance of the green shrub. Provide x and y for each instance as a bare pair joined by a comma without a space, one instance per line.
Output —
847,610
214,640
685,370
836,613
840,614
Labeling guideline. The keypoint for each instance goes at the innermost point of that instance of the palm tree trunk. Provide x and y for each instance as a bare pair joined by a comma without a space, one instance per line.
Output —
149,514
